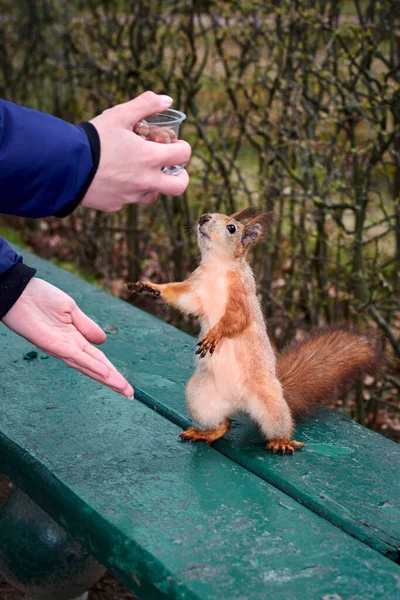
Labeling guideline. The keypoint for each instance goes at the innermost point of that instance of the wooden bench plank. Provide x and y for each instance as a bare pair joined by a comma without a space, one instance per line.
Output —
169,519
347,474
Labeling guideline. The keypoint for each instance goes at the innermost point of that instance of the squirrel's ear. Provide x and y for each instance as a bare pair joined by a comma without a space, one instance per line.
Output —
256,228
245,214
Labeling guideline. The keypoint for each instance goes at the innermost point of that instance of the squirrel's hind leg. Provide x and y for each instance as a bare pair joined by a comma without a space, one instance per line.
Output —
192,434
270,410
206,408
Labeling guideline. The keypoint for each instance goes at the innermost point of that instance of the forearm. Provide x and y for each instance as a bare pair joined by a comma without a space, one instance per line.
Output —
46,164
179,295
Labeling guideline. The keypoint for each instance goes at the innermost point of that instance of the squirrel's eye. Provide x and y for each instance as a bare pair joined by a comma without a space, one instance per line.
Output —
231,228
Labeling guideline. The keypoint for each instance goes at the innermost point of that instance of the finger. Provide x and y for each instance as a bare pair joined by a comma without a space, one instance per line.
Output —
110,378
88,328
163,135
99,355
80,358
126,390
171,185
144,105
149,198
117,380
177,153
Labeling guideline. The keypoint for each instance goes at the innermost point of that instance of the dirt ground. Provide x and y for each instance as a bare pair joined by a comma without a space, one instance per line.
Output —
108,588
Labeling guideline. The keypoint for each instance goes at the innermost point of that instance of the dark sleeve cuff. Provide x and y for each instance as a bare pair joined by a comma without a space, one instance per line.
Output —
12,284
94,141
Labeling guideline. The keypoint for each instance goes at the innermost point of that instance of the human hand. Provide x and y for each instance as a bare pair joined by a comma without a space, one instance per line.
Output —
50,319
130,166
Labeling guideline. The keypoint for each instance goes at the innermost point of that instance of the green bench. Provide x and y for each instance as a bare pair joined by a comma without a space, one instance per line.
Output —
102,480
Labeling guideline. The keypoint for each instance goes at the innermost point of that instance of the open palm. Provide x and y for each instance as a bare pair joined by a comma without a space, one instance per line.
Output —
50,319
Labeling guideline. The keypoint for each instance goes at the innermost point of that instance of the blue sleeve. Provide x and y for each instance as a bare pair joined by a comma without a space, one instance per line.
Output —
45,163
8,257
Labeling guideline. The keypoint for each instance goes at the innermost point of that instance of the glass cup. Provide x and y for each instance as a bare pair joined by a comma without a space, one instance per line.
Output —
164,129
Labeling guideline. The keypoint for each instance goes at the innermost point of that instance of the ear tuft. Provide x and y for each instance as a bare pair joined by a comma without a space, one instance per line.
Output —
245,214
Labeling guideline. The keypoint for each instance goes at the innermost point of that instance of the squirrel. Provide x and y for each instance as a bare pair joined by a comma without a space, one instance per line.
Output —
237,370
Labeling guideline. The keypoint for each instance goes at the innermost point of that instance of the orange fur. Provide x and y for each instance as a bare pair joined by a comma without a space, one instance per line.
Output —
234,320
324,364
284,446
172,292
192,434
180,295
236,368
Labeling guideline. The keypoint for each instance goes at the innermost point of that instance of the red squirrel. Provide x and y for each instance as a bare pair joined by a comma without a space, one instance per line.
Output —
236,368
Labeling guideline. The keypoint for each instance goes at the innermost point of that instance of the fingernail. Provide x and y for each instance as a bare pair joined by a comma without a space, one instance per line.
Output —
166,99
131,397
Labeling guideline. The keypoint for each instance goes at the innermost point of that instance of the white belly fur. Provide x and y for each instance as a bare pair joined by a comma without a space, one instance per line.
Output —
213,296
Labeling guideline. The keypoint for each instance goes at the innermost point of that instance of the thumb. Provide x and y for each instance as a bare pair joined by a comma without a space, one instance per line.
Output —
141,107
88,328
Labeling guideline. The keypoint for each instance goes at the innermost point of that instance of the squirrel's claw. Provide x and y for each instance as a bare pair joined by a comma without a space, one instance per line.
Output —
283,447
192,434
140,286
207,344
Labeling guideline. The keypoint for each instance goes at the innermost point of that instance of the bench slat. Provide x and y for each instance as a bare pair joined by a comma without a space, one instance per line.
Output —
347,474
169,519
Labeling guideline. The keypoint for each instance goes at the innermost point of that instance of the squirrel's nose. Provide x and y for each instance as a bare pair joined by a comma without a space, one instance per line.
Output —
204,218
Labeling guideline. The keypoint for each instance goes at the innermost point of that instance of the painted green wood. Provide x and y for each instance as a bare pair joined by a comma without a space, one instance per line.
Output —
170,519
346,473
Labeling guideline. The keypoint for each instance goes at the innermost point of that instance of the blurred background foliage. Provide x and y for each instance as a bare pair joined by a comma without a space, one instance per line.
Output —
293,106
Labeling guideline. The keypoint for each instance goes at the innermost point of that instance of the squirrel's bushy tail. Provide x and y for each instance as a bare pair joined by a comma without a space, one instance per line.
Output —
325,363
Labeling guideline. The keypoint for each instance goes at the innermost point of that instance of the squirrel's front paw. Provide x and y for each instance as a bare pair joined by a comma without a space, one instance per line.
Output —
208,343
140,287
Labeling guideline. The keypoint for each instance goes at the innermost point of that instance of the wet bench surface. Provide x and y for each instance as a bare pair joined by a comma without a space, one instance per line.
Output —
176,520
